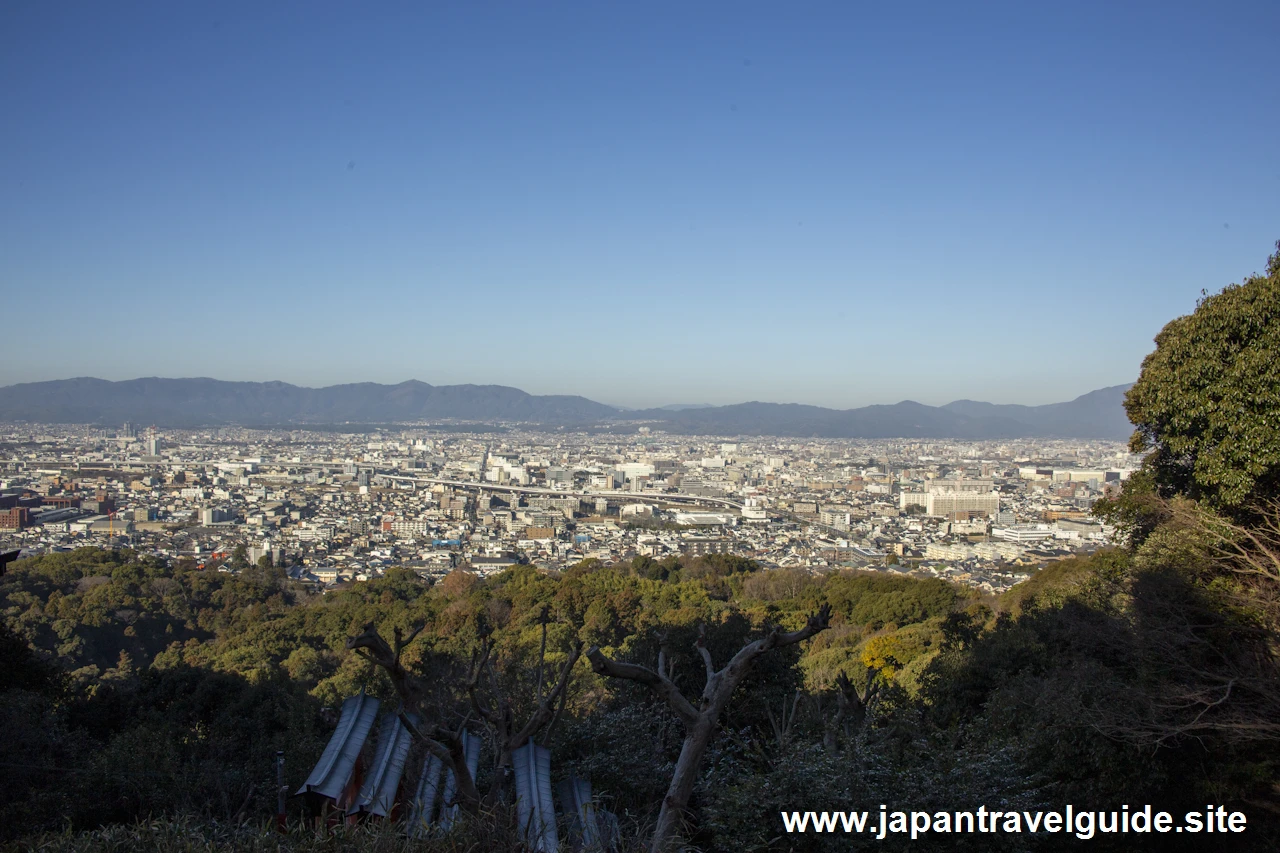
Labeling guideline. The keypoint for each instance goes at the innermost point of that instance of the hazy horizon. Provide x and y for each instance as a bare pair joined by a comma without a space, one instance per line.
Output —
830,204
647,405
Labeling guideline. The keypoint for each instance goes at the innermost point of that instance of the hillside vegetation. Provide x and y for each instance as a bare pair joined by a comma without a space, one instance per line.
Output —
146,689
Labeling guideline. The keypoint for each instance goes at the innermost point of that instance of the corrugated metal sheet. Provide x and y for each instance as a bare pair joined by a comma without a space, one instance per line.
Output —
536,810
424,801
333,771
576,805
471,748
610,832
437,789
378,793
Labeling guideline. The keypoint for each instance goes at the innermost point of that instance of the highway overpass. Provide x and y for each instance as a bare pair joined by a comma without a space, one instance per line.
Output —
638,497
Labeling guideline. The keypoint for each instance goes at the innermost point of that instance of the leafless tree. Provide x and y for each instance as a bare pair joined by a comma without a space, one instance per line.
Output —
1250,551
699,720
487,700
783,723
1206,601
493,706
853,703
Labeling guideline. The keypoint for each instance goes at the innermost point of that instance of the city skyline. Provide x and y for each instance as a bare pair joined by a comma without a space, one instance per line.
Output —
827,205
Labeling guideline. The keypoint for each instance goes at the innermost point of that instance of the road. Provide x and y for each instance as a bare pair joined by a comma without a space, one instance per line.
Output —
639,497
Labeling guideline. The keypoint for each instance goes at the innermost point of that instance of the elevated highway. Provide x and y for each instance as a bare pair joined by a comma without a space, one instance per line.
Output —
639,497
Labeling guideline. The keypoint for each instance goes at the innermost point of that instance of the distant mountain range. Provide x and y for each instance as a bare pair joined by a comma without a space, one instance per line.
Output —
200,402
1098,414
188,402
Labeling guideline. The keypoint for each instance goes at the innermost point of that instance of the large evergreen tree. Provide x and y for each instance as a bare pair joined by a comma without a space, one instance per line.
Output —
1207,403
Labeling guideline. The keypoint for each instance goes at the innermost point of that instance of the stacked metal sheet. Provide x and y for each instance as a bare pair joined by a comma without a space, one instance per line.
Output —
448,806
580,811
333,772
534,806
434,807
378,793
433,804
424,801
591,829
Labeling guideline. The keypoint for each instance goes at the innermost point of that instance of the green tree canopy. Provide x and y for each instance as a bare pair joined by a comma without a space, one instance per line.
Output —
1207,403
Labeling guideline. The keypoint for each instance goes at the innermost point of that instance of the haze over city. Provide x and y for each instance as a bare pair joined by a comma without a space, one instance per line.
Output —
645,205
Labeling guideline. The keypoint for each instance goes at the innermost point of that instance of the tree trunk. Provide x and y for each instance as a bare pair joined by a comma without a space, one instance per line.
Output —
676,803
700,722
447,745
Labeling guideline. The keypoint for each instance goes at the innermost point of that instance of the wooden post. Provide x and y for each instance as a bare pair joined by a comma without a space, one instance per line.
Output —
281,790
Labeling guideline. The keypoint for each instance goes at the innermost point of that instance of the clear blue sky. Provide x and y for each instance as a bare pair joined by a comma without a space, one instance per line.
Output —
836,203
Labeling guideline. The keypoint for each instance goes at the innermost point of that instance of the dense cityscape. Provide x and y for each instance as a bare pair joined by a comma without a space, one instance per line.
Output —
338,507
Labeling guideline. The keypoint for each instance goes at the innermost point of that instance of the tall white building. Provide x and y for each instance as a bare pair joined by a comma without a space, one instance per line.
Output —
906,499
946,496
946,503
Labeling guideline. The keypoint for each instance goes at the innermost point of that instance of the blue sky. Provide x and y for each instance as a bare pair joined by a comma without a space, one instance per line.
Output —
646,203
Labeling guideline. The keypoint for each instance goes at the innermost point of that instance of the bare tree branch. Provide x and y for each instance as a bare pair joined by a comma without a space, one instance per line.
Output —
495,709
370,645
700,723
659,684
664,666
543,713
542,654
451,753
478,662
555,718
701,645
737,668
403,643
816,623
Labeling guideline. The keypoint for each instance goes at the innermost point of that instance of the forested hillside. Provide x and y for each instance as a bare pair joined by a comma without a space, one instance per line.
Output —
148,689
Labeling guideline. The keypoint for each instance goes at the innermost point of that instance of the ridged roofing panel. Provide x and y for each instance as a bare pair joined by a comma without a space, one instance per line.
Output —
378,793
333,771
532,765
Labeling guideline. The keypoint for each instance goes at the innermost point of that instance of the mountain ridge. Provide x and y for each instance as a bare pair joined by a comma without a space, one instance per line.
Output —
203,401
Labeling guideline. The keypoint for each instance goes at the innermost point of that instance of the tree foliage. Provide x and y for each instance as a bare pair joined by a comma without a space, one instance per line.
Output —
166,690
1207,403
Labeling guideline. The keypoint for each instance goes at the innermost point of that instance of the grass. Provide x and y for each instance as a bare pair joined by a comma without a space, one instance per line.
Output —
196,835
489,833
